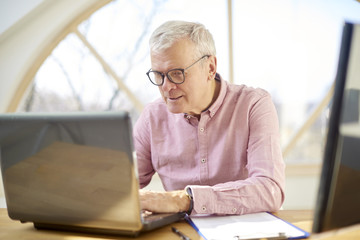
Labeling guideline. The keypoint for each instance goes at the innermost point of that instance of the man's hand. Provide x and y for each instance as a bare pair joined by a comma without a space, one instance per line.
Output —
164,202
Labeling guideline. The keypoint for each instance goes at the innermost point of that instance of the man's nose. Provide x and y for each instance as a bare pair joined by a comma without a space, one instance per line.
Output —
168,85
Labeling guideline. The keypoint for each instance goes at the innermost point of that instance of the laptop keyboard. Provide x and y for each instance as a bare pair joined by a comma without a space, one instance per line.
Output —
150,217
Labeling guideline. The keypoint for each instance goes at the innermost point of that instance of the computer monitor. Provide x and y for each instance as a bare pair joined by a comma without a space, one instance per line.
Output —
338,200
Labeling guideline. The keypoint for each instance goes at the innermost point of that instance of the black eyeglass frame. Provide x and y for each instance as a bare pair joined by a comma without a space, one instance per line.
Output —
175,69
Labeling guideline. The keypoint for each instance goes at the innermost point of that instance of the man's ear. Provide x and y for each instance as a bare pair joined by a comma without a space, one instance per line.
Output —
212,67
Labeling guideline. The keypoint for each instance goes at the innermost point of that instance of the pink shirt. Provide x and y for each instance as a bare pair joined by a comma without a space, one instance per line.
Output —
231,159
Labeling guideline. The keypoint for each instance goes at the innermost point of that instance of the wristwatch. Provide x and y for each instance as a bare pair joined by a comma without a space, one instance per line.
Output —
190,196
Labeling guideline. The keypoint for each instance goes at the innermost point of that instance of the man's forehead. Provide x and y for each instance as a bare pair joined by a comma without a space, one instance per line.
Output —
161,61
178,55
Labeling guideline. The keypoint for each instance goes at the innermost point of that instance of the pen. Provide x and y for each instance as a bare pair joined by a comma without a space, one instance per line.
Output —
268,238
180,234
265,238
280,237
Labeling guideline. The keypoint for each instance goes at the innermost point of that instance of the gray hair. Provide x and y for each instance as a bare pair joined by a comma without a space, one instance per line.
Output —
172,31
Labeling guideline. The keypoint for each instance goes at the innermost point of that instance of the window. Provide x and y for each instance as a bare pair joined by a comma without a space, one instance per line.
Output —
288,47
102,64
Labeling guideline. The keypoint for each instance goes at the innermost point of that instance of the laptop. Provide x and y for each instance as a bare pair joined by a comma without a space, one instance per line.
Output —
73,172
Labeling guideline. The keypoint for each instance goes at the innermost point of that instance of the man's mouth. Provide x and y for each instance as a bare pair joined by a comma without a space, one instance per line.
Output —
174,98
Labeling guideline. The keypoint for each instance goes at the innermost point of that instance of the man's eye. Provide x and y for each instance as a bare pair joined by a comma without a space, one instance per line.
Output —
157,75
176,73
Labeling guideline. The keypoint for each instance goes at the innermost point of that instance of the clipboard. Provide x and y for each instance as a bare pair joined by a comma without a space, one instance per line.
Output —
253,226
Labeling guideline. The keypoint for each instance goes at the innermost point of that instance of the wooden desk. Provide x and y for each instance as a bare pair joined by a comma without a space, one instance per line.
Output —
14,230
10,229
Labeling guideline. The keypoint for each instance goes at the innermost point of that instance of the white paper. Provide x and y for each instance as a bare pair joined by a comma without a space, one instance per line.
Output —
256,225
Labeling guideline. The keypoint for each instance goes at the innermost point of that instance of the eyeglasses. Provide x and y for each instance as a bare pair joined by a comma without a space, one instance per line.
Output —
176,75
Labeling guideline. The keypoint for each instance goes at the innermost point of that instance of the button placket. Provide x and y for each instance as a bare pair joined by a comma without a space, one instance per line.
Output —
203,159
203,149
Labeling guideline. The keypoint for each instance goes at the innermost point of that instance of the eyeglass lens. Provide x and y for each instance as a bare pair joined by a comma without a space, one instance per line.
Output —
176,76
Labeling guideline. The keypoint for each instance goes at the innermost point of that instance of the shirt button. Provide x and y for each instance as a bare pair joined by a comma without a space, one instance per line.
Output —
202,129
203,208
203,160
234,210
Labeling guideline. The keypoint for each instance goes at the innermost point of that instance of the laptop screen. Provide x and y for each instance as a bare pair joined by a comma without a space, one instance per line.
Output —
70,168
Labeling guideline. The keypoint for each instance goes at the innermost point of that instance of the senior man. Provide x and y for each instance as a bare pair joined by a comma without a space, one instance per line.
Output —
215,145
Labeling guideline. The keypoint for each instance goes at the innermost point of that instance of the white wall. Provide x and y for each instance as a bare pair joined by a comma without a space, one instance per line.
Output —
301,192
12,11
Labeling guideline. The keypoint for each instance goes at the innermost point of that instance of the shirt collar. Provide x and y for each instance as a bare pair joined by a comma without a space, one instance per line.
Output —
218,102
